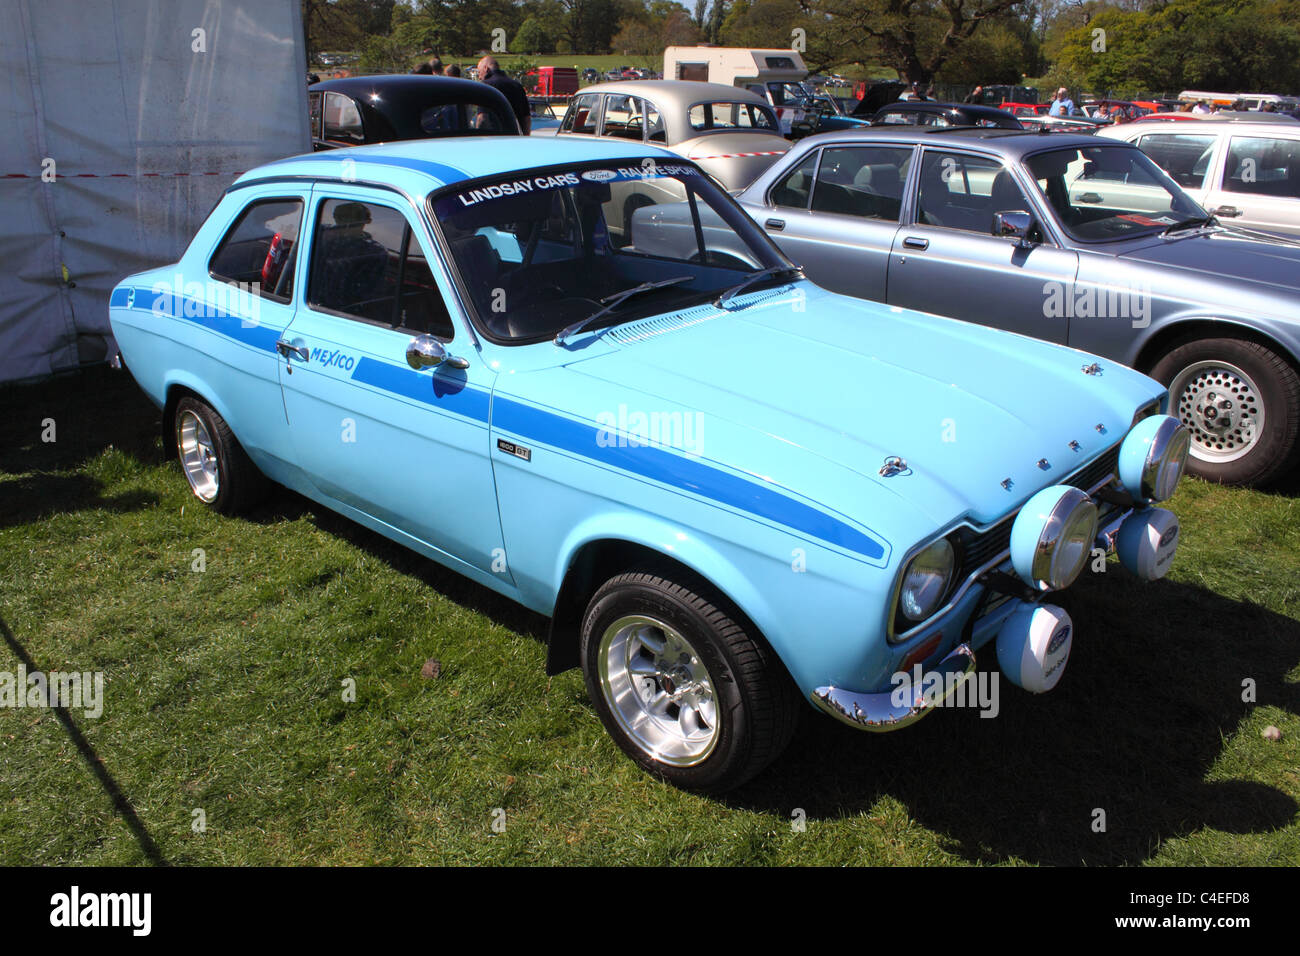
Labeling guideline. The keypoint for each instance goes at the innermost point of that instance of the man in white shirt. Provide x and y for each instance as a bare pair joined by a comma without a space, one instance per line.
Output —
1062,105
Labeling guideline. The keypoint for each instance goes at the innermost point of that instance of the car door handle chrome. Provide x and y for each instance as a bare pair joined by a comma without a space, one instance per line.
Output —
915,242
777,224
1227,212
1090,197
287,348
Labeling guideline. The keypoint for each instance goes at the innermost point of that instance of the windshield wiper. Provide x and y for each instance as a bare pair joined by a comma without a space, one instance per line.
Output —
612,302
1190,223
759,276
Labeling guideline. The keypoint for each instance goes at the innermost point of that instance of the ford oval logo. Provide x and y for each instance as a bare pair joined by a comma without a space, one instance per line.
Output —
599,175
1059,638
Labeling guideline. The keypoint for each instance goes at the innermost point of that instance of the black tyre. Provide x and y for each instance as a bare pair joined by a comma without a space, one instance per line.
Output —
218,470
1241,401
682,687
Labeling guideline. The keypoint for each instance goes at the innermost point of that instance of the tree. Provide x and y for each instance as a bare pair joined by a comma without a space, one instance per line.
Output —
532,37
915,37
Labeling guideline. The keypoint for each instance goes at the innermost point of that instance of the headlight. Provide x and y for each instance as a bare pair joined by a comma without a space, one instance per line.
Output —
1053,536
1153,457
925,582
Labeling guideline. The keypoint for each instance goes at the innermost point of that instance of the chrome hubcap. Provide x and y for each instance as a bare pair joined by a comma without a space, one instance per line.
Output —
658,690
198,457
1221,406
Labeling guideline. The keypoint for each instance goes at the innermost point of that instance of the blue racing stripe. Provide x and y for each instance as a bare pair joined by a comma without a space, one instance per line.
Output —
681,471
432,390
219,321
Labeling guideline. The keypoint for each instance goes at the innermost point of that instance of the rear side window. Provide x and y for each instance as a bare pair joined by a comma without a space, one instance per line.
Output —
863,181
342,120
366,264
1184,156
1264,166
259,250
582,115
794,190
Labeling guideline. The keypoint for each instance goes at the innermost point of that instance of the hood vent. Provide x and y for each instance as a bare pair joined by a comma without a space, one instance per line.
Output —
639,331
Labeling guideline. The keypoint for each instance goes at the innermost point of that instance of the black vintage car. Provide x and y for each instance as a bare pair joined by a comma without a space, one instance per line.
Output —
380,109
931,113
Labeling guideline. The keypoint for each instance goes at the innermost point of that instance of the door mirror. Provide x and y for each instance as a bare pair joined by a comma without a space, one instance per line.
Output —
424,351
1016,224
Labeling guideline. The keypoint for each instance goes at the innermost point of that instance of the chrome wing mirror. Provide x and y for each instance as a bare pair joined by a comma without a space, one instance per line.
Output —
424,351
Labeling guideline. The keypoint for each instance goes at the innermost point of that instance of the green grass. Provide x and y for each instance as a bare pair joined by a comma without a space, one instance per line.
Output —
224,693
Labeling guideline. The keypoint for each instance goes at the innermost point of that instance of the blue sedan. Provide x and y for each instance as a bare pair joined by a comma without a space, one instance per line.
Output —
729,489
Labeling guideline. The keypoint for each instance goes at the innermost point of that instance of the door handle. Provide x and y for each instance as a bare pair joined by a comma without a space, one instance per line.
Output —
1089,197
287,348
915,242
777,224
1227,212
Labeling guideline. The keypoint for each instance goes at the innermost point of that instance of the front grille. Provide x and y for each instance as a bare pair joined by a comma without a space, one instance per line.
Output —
981,547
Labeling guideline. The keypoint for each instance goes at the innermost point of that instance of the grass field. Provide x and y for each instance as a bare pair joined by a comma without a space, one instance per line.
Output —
224,694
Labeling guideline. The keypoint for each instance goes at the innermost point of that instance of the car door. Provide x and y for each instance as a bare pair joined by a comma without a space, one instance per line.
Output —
946,260
836,214
407,447
1259,185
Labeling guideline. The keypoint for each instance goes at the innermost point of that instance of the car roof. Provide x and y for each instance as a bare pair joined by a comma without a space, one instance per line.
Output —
397,82
681,91
1009,142
418,166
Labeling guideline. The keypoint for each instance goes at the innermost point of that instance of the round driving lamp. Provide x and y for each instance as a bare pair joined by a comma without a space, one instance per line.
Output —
1154,457
1053,536
925,582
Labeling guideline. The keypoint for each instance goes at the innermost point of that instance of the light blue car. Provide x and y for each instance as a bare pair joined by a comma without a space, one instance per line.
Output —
731,490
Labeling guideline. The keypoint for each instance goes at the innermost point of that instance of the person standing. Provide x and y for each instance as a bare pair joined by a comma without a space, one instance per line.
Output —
974,96
491,73
1062,105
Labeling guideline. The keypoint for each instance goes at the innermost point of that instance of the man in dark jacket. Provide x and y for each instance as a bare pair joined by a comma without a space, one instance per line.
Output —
491,74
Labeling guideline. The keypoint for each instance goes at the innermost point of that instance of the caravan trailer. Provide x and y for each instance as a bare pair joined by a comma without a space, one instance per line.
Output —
776,75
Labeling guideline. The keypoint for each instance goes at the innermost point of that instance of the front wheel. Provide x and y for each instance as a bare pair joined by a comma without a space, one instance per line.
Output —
683,688
1241,402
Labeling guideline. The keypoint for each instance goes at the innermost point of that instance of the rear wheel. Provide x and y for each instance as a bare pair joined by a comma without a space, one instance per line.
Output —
1241,402
218,470
682,687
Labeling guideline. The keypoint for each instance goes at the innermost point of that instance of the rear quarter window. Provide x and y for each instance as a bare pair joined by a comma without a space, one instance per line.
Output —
259,250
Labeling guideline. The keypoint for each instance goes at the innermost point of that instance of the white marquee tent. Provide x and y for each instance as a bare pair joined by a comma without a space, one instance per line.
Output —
123,121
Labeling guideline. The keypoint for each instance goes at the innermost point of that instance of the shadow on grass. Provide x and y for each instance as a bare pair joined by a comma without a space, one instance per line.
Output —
35,497
70,419
1153,688
96,763
1152,691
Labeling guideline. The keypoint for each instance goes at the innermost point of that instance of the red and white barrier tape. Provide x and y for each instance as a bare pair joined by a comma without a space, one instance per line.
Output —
770,152
107,175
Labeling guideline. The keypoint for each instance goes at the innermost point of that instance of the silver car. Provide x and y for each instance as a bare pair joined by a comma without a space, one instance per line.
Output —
1069,238
1248,172
731,133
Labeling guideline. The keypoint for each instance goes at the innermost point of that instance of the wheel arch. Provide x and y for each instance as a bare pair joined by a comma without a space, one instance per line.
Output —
597,558
1172,334
180,385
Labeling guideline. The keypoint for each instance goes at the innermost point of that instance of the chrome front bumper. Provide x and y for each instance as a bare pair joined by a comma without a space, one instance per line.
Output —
883,711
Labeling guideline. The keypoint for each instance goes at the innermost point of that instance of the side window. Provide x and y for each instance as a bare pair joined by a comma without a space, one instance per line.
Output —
794,190
366,264
1184,156
314,113
963,192
342,119
864,181
655,124
623,117
896,118
1264,166
259,250
582,115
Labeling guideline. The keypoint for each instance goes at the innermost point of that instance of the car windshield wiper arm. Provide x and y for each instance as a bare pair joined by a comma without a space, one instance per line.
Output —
759,276
1189,223
612,302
